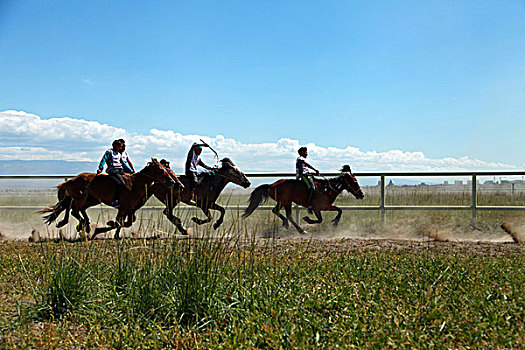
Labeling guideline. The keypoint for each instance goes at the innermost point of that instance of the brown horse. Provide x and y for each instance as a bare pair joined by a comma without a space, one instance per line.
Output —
67,190
88,189
288,191
209,188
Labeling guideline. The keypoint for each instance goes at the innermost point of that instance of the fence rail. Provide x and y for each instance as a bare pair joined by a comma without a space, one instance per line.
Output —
382,207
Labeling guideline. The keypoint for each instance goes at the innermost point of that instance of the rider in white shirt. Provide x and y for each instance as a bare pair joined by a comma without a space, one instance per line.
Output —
118,163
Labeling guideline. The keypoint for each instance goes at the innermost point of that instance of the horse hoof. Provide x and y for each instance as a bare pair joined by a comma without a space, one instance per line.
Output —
195,220
303,232
216,225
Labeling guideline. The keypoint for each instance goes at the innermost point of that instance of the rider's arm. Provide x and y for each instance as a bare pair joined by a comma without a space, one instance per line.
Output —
127,167
311,167
199,145
201,163
130,165
102,161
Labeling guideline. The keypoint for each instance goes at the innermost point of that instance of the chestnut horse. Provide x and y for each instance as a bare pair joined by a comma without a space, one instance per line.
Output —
74,187
88,189
208,191
288,191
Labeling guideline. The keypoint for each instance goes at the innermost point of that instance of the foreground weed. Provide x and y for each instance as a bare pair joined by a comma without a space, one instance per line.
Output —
65,282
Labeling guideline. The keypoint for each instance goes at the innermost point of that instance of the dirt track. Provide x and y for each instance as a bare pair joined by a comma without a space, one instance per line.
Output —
349,245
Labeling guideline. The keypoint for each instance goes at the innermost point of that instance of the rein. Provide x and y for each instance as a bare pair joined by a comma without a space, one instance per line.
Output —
151,176
328,181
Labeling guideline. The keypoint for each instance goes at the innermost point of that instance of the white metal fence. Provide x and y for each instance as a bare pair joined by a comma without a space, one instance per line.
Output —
382,207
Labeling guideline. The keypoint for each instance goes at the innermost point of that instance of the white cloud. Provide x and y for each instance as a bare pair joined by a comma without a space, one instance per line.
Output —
27,136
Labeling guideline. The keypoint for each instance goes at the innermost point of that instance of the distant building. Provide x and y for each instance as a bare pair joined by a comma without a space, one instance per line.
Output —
458,183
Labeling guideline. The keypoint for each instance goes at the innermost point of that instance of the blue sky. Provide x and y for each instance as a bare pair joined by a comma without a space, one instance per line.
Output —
441,78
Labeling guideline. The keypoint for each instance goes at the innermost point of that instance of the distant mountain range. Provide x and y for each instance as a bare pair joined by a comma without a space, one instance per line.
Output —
45,167
61,167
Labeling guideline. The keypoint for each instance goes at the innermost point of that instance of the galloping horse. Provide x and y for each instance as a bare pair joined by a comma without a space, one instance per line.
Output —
87,190
209,189
288,191
74,187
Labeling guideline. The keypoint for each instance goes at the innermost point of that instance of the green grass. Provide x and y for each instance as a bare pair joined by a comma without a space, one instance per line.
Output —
246,293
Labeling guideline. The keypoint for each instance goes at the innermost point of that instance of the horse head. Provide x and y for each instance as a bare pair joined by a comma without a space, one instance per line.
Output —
229,171
350,182
158,172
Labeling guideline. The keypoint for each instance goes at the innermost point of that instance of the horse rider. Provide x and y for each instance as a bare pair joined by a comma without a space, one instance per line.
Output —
118,163
193,160
125,157
303,174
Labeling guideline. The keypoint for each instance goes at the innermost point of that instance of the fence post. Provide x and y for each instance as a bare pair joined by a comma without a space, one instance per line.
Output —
474,201
382,205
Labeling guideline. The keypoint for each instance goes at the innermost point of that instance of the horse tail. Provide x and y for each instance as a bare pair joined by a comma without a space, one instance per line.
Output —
258,196
64,201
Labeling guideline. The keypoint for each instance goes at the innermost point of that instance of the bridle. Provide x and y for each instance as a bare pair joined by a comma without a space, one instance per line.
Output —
346,182
230,178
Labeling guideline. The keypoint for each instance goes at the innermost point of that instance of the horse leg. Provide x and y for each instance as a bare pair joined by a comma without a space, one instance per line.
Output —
76,215
335,221
130,219
198,221
65,220
111,225
117,233
119,221
318,215
289,216
276,210
217,207
99,230
86,220
168,211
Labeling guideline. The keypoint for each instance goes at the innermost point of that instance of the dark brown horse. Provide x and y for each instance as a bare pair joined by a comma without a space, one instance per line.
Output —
87,190
209,188
288,191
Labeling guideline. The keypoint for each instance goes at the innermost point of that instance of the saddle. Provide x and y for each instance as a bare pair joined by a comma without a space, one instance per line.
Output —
320,184
200,178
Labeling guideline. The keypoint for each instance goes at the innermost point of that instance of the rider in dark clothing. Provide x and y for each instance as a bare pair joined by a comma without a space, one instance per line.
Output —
193,160
302,173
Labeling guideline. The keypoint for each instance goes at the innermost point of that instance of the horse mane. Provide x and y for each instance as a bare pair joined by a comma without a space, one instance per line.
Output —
346,169
227,161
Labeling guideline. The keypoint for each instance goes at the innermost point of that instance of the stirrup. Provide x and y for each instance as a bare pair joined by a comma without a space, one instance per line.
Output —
115,203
